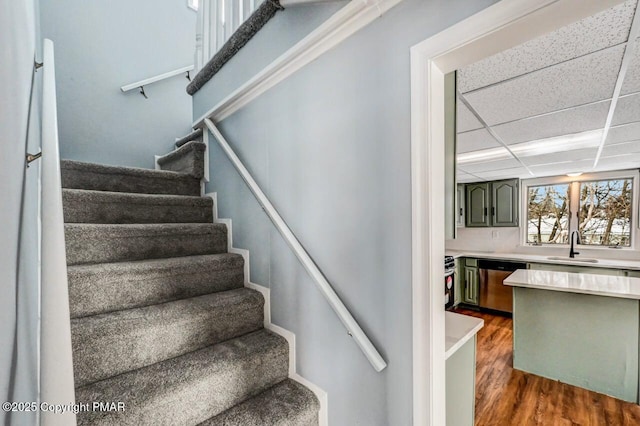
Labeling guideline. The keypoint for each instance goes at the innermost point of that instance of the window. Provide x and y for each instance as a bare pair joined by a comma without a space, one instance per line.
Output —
548,214
193,4
599,207
605,212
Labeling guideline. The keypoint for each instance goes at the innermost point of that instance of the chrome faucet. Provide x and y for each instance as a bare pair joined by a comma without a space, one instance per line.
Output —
572,252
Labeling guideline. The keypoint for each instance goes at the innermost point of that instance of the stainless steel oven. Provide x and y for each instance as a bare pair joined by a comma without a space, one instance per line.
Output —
449,282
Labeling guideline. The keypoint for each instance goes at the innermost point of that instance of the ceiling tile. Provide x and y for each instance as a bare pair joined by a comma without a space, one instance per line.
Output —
623,133
516,172
631,81
631,147
558,169
561,157
465,120
627,110
579,81
575,120
488,166
596,32
619,162
475,140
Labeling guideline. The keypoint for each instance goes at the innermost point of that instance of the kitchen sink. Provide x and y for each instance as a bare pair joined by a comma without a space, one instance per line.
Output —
574,259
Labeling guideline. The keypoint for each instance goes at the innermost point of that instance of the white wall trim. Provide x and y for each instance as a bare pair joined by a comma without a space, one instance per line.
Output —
344,23
499,27
266,293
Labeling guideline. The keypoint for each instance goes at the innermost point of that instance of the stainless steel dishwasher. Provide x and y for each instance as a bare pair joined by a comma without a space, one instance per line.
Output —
494,295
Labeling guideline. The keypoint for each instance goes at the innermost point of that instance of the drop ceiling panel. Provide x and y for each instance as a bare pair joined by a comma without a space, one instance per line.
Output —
475,140
599,31
487,166
562,168
632,147
465,120
575,120
619,162
627,110
631,81
561,157
516,172
579,81
624,133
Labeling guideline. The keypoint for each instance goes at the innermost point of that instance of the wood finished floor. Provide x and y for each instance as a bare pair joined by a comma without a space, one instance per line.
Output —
505,396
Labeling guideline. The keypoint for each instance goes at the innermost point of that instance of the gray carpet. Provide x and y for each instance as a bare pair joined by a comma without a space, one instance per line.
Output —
160,317
238,39
196,135
188,159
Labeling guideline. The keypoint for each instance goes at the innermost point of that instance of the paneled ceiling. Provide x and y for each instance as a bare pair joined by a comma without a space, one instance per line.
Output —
568,101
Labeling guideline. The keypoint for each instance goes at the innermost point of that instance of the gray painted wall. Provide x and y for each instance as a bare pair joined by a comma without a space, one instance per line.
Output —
102,45
330,146
19,254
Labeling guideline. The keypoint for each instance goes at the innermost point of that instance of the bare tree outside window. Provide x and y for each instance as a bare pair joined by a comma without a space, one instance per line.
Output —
605,212
548,214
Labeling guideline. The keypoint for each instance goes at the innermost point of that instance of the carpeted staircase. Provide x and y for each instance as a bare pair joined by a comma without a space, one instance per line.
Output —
160,317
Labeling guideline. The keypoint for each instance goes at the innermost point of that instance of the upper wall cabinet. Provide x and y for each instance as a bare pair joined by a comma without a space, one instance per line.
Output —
504,204
492,204
478,200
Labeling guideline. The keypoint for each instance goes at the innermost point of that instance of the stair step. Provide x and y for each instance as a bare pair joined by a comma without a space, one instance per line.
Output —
110,344
191,388
108,287
189,159
286,404
84,206
91,243
79,175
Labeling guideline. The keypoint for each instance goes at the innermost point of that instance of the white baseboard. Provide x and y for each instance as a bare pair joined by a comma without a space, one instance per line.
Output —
266,293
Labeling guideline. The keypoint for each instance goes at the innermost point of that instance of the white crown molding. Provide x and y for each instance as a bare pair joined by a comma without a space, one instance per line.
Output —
266,293
344,23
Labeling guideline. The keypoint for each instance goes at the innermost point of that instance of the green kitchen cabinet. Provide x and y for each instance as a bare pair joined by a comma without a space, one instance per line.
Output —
504,203
491,204
471,282
478,198
460,206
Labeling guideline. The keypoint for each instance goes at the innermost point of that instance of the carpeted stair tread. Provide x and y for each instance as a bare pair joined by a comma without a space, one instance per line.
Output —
107,287
100,243
191,388
196,135
286,404
87,206
189,159
79,175
110,344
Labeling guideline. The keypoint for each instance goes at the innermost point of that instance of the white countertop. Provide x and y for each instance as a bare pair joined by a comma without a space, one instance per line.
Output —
458,330
599,285
533,258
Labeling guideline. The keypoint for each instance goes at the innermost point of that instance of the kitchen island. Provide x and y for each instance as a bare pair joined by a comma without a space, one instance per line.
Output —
581,329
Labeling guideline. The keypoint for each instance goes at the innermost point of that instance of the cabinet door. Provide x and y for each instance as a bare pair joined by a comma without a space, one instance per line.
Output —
471,281
460,206
504,203
477,206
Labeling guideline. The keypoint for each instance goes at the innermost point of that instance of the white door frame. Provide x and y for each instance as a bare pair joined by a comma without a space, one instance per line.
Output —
499,27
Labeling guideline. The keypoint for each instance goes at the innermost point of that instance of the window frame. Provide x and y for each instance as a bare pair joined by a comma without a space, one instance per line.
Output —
525,223
574,205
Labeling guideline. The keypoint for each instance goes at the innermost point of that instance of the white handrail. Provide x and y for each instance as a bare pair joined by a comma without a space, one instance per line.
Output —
325,288
155,79
56,363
